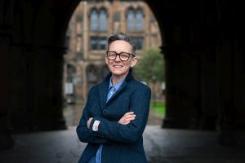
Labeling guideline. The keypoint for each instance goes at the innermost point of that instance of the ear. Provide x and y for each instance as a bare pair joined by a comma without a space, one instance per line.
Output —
133,62
106,60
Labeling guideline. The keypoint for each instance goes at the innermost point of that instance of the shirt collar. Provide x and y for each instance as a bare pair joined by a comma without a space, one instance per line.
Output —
117,85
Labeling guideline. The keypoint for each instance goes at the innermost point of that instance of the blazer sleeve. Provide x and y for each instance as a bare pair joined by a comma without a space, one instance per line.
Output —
84,134
130,133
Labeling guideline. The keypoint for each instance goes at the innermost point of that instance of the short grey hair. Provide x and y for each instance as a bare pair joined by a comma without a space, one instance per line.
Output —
123,37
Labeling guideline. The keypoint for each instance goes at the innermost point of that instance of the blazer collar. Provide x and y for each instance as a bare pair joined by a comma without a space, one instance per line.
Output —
128,77
104,88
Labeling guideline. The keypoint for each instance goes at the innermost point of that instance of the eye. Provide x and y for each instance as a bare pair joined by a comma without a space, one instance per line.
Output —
125,55
111,53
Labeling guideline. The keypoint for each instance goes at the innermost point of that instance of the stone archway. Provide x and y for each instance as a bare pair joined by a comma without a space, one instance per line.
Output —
202,38
81,30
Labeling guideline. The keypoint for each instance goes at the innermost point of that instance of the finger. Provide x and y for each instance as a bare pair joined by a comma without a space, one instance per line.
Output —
130,119
129,116
126,122
123,122
128,113
89,121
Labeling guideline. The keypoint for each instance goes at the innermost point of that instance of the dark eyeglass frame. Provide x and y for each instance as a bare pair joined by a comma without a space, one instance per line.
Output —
119,54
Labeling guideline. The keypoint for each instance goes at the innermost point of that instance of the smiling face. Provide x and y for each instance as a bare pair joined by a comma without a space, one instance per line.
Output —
119,68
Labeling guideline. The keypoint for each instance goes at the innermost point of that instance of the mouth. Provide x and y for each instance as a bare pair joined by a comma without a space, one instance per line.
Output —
117,66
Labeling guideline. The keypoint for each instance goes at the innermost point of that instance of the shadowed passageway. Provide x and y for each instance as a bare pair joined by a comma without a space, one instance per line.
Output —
203,46
161,146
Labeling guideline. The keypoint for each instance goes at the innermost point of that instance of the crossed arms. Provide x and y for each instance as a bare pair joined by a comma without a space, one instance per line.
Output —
128,129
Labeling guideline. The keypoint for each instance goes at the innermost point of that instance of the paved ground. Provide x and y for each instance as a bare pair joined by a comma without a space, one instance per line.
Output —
161,145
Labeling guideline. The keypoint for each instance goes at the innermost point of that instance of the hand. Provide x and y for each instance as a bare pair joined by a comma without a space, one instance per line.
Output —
127,118
89,121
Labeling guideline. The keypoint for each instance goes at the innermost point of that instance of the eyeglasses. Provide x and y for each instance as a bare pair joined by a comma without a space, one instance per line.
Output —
124,56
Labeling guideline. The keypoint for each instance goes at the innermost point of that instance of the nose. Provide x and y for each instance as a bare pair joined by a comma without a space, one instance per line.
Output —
117,58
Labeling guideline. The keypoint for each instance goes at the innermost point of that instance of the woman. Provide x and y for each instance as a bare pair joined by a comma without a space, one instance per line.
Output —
116,112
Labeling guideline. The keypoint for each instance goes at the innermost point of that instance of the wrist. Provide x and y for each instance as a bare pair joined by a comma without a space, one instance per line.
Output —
95,126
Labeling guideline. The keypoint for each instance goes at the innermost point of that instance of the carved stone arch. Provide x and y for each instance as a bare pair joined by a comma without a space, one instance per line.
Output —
94,8
90,10
202,28
130,21
140,8
128,9
45,44
95,11
103,19
104,8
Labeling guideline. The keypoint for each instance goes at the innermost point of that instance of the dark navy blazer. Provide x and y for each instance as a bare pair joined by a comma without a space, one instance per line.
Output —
121,143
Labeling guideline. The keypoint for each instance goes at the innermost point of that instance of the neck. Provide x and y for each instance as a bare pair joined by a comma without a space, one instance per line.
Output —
115,79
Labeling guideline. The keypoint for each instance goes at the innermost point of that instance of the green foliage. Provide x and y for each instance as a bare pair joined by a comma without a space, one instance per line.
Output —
158,108
150,67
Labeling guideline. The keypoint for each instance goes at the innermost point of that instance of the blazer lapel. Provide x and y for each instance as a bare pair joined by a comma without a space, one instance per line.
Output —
103,89
123,86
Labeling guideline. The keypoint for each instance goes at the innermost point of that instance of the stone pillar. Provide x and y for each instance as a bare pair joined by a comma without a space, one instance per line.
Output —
85,30
6,26
208,89
182,70
85,81
182,89
227,110
47,88
6,140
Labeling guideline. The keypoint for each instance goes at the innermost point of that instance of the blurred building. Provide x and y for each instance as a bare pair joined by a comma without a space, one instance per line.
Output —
89,27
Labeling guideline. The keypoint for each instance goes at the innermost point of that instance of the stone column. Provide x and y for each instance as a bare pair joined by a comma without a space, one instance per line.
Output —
208,89
182,80
47,88
6,140
226,109
175,94
85,30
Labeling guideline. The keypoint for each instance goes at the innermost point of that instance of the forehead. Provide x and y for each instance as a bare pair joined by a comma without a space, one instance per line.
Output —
120,45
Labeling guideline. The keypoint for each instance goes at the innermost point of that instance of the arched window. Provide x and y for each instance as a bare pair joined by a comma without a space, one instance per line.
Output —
130,20
94,20
98,42
71,72
139,20
138,42
70,79
92,75
102,20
